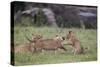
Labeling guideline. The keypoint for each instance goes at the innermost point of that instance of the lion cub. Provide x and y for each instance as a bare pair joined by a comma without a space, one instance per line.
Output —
74,42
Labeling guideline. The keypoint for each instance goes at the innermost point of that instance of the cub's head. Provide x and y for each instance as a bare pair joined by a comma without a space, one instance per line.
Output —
70,35
36,37
59,38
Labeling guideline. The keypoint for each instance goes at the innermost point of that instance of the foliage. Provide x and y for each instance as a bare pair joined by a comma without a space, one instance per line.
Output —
65,15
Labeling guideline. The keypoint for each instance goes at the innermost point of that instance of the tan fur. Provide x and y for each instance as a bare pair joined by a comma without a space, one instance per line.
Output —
58,38
74,42
28,47
47,44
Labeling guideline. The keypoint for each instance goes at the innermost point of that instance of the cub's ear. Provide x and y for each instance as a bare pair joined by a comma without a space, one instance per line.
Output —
32,34
70,31
56,35
63,38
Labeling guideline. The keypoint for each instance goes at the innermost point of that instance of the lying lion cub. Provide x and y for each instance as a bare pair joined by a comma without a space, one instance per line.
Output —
41,44
75,43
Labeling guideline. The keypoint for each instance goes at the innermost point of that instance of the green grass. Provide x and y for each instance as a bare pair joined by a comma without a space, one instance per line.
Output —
87,37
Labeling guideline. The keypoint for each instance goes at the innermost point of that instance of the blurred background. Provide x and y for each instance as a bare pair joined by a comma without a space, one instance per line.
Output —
54,15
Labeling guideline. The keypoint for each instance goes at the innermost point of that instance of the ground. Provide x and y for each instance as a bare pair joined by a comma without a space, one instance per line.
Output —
88,38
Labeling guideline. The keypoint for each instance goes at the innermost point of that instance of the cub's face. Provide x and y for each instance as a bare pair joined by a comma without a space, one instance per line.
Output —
59,38
36,38
70,35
